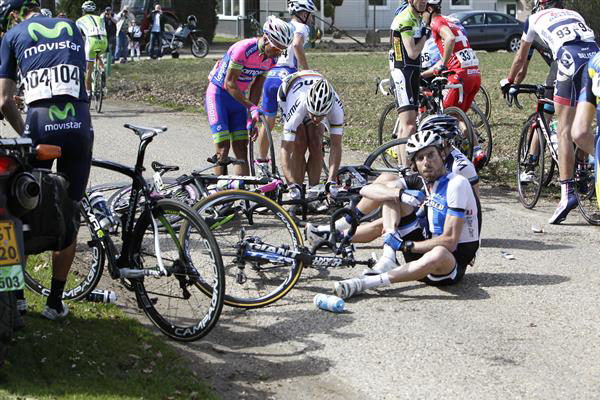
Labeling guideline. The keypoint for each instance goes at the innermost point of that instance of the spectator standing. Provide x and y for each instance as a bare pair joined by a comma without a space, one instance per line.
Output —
156,29
110,22
122,25
135,38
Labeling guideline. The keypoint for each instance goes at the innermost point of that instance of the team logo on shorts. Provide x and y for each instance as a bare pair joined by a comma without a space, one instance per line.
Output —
566,64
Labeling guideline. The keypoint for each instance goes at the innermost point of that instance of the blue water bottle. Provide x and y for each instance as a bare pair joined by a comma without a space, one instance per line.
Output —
329,303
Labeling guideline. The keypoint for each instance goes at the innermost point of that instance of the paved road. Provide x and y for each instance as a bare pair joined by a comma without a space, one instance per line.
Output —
524,328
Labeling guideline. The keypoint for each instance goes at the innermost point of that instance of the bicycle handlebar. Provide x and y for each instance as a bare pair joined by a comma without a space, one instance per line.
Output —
515,90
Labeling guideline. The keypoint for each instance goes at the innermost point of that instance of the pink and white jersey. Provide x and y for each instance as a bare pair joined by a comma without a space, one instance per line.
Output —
246,55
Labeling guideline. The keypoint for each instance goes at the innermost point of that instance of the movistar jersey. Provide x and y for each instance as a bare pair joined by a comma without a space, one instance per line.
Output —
51,57
406,25
92,25
246,55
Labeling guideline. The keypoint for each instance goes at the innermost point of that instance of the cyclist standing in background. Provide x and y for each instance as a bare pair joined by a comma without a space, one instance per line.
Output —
96,43
408,36
292,60
458,57
572,43
244,67
58,111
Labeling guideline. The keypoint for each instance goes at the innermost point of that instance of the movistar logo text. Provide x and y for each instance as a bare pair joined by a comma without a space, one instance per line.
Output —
35,28
56,113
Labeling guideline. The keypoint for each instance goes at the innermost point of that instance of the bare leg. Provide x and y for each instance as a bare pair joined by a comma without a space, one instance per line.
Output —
262,141
222,151
408,126
240,149
298,160
314,164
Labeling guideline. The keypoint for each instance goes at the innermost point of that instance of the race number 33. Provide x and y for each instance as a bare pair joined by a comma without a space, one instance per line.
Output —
58,80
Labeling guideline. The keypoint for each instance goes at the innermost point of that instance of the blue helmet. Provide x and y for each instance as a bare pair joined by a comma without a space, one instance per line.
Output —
594,73
403,5
8,6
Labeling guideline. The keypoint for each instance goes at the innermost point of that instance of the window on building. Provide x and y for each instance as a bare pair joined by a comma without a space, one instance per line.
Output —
228,7
460,3
378,2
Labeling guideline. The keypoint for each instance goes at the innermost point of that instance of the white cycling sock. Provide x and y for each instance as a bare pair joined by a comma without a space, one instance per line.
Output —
372,281
342,225
388,252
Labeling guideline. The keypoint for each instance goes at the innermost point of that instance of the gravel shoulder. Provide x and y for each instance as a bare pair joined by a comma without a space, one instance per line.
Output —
522,328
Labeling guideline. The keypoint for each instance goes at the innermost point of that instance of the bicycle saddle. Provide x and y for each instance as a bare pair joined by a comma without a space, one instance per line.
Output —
144,132
162,168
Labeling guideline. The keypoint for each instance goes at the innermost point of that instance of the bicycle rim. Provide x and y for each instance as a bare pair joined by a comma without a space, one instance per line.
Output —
483,132
529,192
85,271
385,157
237,214
585,191
174,303
465,143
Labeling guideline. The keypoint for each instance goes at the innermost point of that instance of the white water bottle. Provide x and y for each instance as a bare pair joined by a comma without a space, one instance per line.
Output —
102,296
329,303
101,210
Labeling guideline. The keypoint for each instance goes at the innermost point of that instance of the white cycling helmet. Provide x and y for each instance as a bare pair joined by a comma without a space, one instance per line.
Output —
279,32
421,140
320,98
46,13
88,6
295,6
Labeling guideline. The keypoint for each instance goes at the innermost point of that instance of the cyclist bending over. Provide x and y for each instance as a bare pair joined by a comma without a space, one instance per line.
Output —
454,221
96,43
572,43
408,36
243,68
458,57
290,61
309,105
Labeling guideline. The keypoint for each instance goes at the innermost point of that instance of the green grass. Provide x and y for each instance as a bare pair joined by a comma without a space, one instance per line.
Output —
97,353
181,84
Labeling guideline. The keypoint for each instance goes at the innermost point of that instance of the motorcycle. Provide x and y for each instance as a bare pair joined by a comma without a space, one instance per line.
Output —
173,41
19,194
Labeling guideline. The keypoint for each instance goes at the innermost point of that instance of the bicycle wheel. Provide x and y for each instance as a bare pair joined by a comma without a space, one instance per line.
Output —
237,214
192,259
585,190
85,271
385,157
97,93
388,124
465,143
484,102
253,151
483,132
529,189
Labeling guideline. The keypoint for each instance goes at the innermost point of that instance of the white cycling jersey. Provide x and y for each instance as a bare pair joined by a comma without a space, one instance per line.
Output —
430,54
292,104
288,58
556,27
459,164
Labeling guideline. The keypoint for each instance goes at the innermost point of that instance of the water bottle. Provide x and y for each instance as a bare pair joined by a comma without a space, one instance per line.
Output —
101,211
224,184
329,303
553,135
102,296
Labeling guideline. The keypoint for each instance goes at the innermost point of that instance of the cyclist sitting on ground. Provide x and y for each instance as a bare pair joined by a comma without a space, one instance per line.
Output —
589,102
96,42
58,111
309,105
454,220
572,44
384,188
290,61
243,68
408,36
458,57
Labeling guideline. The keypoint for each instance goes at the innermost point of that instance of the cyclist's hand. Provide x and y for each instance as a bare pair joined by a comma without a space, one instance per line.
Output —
439,69
505,86
255,113
412,197
425,32
332,188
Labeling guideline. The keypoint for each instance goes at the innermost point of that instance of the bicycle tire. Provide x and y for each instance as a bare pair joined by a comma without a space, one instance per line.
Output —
85,272
468,138
99,92
8,307
484,102
386,129
263,219
585,191
483,133
191,257
529,192
381,160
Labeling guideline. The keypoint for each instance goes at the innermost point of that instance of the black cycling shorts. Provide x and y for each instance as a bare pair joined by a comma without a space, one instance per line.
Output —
406,83
66,124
